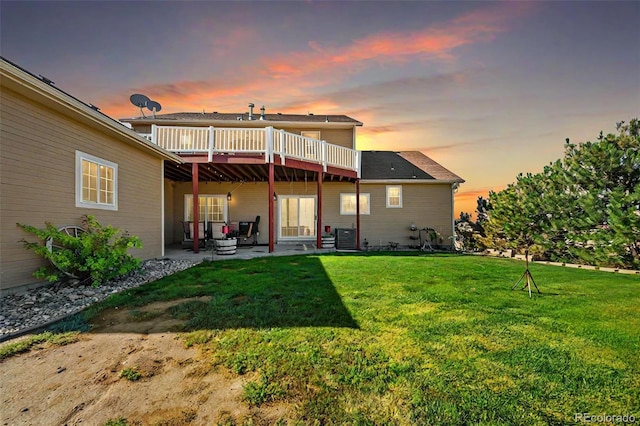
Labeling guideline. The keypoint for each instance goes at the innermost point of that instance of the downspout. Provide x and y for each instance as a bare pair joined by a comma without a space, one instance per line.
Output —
454,188
162,217
271,208
196,208
358,214
319,221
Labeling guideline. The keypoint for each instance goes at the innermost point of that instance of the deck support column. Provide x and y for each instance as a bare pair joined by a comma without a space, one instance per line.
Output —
319,214
196,208
271,208
358,214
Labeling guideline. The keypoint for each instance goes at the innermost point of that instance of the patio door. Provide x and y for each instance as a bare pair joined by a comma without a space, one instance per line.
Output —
297,217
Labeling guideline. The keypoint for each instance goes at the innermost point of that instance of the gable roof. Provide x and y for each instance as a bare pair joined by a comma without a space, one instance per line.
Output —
428,165
404,165
44,91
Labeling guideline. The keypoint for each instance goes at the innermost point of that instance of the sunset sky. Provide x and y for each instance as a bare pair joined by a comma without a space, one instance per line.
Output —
488,89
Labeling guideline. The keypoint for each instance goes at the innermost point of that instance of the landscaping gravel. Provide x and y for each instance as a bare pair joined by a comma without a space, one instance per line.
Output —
44,305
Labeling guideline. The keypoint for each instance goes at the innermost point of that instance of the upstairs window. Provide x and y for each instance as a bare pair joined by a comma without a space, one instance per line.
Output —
348,204
394,196
310,134
96,182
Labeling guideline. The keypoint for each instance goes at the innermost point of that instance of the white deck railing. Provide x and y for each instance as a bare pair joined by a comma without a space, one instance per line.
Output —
266,141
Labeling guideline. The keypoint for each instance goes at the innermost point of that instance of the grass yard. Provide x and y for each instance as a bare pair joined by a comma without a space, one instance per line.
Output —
413,338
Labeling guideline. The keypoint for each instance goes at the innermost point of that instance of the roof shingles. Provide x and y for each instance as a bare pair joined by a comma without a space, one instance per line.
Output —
390,165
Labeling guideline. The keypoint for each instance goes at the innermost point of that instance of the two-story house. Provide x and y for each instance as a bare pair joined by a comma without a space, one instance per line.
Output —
302,174
61,158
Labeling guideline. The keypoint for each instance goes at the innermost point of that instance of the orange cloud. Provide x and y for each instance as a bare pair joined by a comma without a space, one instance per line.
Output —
436,41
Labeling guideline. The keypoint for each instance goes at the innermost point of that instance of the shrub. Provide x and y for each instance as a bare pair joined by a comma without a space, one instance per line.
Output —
131,374
96,254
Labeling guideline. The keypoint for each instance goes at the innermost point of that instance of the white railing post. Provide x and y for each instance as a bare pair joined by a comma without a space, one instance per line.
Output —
323,146
358,159
154,134
210,156
268,154
283,146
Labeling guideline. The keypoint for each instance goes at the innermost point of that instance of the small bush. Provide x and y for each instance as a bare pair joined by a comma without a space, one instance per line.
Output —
98,254
120,421
131,374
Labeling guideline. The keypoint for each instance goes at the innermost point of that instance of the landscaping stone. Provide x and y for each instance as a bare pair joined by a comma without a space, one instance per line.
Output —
39,306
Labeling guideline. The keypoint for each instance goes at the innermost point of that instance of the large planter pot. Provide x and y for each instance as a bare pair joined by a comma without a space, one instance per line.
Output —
226,246
328,242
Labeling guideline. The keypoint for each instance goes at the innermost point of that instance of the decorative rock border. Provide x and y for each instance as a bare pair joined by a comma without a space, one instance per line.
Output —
42,306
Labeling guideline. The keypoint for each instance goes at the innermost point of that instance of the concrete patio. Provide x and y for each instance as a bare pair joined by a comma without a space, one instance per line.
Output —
243,252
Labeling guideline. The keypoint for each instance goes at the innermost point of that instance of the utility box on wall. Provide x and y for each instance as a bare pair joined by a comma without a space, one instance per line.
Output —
345,239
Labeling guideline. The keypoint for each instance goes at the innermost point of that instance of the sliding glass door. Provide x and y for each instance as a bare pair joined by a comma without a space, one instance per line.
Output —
297,217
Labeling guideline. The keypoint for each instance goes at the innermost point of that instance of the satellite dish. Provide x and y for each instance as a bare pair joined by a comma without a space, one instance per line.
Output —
140,101
154,107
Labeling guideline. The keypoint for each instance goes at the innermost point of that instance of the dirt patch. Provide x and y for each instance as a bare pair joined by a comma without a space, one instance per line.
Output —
81,383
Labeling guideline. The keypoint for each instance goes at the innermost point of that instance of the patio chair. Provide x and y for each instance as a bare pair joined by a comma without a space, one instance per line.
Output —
187,239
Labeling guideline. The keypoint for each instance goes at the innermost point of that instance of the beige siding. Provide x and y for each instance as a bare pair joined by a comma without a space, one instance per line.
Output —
426,205
37,178
341,137
248,201
169,237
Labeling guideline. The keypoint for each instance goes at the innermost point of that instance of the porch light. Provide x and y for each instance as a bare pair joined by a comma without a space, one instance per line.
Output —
275,197
228,196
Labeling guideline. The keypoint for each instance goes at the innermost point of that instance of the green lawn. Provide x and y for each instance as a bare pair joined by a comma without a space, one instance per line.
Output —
413,338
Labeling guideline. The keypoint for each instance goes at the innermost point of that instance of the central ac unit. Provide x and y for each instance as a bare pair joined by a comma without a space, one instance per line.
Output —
345,239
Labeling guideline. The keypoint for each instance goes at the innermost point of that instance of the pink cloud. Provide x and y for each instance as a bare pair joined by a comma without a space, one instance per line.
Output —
437,41
285,81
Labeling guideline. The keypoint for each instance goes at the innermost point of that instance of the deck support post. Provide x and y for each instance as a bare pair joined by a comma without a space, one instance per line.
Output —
358,214
196,208
319,213
271,208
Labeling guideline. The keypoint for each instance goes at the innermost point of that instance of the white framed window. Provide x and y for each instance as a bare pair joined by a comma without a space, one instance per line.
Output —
96,182
311,148
212,208
394,196
348,204
315,134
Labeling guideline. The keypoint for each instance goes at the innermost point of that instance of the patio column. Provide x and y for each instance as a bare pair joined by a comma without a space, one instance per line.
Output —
319,221
196,207
271,209
357,214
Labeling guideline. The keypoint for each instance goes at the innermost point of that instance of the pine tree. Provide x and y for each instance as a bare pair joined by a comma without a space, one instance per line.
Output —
583,208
